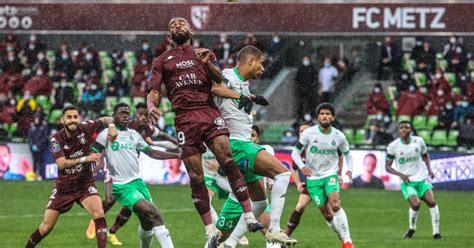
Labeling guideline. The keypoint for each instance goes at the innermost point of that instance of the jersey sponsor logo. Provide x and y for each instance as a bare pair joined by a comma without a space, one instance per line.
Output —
403,160
241,189
77,154
316,150
118,146
92,190
219,121
187,79
185,64
73,170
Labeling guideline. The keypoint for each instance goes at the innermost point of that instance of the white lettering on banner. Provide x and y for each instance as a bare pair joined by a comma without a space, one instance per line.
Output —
400,18
453,169
10,17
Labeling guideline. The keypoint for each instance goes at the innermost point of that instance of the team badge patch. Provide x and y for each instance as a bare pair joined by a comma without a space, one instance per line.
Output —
219,121
92,190
332,181
55,146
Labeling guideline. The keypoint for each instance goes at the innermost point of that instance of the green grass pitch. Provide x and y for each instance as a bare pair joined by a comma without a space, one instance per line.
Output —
376,218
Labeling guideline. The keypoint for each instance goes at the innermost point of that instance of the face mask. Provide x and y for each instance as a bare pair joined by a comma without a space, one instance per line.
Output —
33,38
411,88
11,58
423,90
63,84
438,76
327,65
472,76
306,62
276,40
404,77
386,119
458,50
144,62
230,61
145,46
12,102
307,117
39,73
464,104
440,92
40,56
84,50
449,106
379,117
419,43
222,39
377,90
463,78
9,49
288,134
452,40
31,46
226,46
27,97
93,87
89,56
64,56
301,43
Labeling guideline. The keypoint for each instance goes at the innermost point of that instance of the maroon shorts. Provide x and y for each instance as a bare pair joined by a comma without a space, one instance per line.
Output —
196,127
63,202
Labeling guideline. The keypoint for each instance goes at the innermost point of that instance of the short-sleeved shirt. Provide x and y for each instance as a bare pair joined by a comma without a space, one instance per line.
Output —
186,79
408,159
79,145
239,122
322,150
146,131
122,154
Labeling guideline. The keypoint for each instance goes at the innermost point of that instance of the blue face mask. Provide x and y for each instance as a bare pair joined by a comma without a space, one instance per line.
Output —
327,65
464,104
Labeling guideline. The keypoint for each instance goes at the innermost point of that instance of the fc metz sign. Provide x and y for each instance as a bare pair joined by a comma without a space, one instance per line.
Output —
291,18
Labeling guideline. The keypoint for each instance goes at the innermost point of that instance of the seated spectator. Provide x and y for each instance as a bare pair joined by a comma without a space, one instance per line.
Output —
41,63
118,85
469,91
145,49
25,108
426,59
63,65
463,109
223,49
250,40
12,63
367,179
456,57
289,138
92,99
118,59
88,59
141,70
466,132
276,52
382,130
10,44
40,84
63,94
446,117
411,102
7,109
404,82
31,49
436,100
439,82
11,83
377,101
92,78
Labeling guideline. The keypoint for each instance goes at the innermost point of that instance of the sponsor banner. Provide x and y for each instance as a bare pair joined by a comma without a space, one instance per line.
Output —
259,17
16,162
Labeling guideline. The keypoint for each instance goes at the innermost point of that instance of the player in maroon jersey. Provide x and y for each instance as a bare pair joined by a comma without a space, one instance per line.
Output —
71,147
191,79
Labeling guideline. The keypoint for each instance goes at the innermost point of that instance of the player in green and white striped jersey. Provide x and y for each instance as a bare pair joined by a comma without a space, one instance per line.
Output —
321,144
413,167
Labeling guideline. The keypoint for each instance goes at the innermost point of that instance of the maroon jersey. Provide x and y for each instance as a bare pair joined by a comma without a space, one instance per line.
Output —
74,178
145,131
186,79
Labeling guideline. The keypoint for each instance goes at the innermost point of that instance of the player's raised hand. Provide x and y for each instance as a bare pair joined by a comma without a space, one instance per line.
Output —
245,103
154,115
203,55
261,100
94,157
306,171
112,133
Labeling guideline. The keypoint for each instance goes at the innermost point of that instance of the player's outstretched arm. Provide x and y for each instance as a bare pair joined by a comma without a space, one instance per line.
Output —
220,90
204,55
160,154
64,163
153,103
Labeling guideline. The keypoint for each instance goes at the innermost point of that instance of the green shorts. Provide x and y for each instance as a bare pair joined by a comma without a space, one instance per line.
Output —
268,208
229,215
319,189
130,193
245,153
211,183
415,188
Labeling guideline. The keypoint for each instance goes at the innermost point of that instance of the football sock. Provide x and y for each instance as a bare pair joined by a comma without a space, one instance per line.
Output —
214,214
146,237
342,225
201,202
101,232
293,222
34,239
257,207
122,218
107,205
434,212
163,236
413,215
239,188
280,185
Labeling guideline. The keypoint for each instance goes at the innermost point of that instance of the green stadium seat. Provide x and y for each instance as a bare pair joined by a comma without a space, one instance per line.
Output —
138,99
44,102
359,136
54,116
456,91
451,77
107,63
432,122
107,75
126,74
130,58
453,138
110,102
419,122
425,134
420,78
404,118
11,129
439,138
369,118
125,99
349,133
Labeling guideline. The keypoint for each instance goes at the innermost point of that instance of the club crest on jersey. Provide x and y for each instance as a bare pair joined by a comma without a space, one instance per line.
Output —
92,190
333,142
82,138
332,181
219,121
416,150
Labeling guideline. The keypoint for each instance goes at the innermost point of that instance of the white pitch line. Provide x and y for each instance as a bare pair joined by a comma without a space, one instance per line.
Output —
84,213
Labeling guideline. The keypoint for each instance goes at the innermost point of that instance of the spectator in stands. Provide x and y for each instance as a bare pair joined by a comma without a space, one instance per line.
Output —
445,117
41,63
376,101
404,82
223,49
90,63
305,89
63,94
145,49
426,59
7,109
118,85
37,138
250,40
469,91
63,65
165,45
390,58
439,82
411,102
466,132
367,179
92,78
31,49
92,99
382,130
455,55
40,84
12,63
118,59
417,49
11,83
10,44
276,52
289,138
436,100
141,71
463,109
327,78
25,108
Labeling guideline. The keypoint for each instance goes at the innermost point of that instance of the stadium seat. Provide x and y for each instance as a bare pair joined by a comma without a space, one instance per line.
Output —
44,102
432,122
54,116
439,138
419,122
349,133
453,138
359,136
130,58
11,129
110,102
404,118
51,57
107,76
369,118
125,99
457,91
425,134
420,79
451,77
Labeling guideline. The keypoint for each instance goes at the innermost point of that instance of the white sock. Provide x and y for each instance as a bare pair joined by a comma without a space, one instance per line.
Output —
273,245
412,216
163,236
342,225
434,212
280,185
146,237
210,229
214,215
332,224
241,228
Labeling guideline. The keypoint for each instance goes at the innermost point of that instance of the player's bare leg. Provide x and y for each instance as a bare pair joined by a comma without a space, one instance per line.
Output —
49,220
220,147
428,198
340,219
303,201
93,205
151,223
414,202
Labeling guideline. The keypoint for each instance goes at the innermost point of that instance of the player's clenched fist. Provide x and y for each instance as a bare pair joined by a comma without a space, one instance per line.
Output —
203,55
94,157
306,171
154,114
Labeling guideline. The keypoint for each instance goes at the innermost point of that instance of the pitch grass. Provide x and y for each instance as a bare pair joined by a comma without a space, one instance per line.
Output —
377,219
